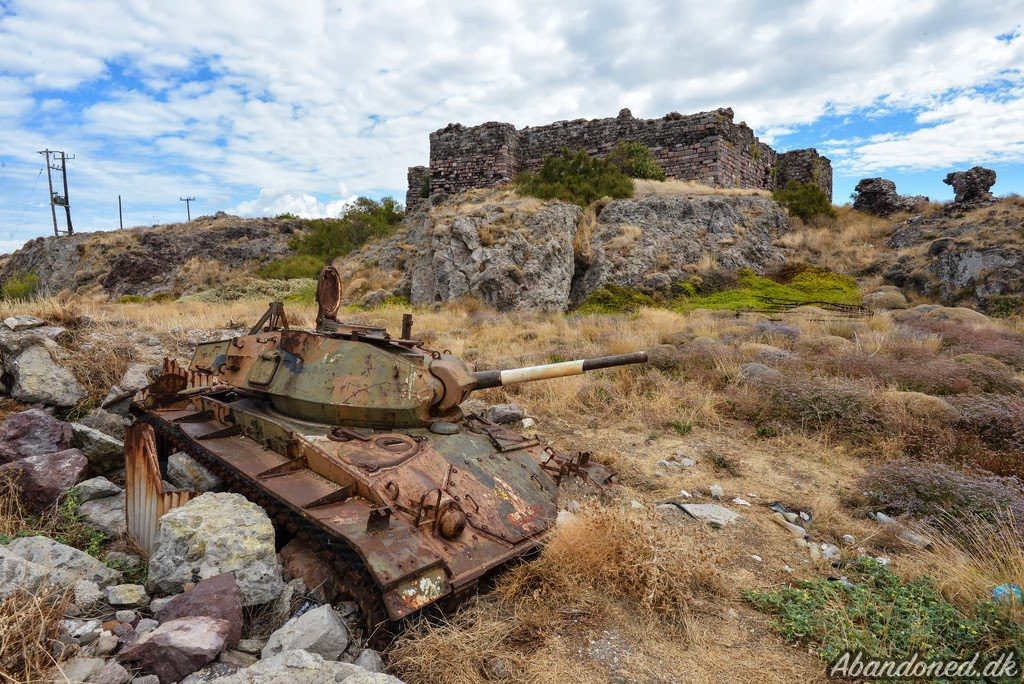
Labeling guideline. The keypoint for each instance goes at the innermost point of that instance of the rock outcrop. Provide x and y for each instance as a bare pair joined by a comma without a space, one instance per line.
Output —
971,185
515,253
878,196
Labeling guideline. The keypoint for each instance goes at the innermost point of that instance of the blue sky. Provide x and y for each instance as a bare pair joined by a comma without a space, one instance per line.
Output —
263,107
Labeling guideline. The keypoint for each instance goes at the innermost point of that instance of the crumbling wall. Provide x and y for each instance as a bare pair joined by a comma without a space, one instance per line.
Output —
707,147
419,187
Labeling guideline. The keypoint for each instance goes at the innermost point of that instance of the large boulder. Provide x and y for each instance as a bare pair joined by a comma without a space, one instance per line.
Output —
64,565
177,648
32,432
320,631
216,597
212,534
105,453
878,196
305,667
44,478
106,422
971,185
105,514
18,573
185,472
38,378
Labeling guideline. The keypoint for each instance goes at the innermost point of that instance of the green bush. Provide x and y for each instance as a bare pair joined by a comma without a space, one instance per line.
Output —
885,616
804,200
810,284
636,161
326,239
20,286
575,177
611,298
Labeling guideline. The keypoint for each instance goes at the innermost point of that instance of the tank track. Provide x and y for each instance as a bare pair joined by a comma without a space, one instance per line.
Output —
354,578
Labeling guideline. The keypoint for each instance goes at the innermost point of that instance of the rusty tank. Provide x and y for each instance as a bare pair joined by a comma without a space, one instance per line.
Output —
355,441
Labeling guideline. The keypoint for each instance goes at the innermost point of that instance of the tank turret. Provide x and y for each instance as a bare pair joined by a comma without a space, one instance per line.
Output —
355,441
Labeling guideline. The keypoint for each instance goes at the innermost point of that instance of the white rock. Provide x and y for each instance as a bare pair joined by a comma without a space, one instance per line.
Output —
135,378
76,670
756,557
716,491
17,573
63,564
565,519
290,667
104,452
528,423
87,594
40,379
96,488
711,513
23,322
212,534
127,596
685,494
320,631
105,643
740,502
185,472
849,539
106,514
370,660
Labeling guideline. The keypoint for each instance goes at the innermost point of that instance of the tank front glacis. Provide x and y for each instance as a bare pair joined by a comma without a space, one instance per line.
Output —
355,441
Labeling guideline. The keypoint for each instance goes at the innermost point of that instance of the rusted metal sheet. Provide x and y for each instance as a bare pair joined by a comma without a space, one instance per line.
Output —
145,498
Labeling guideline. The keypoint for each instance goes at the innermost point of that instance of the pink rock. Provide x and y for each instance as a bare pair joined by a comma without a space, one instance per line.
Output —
178,648
43,478
215,597
31,433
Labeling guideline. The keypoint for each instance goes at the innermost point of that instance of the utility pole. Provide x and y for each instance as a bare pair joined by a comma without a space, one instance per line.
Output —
57,161
188,205
120,216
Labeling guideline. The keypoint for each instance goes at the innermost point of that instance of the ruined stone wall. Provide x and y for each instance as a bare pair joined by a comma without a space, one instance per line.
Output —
419,187
707,147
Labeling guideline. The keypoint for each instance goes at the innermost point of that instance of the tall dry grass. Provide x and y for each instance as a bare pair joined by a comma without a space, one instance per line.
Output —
29,624
616,575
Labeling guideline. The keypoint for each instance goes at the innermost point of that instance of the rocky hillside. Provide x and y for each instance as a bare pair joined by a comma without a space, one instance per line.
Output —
511,252
174,259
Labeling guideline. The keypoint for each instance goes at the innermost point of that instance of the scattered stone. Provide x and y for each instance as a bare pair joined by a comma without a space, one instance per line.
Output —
754,371
44,478
741,502
177,648
787,569
216,597
829,551
158,604
211,673
320,631
18,573
125,616
756,557
971,185
32,432
111,673
302,562
711,513
685,494
217,533
237,658
528,423
23,322
309,668
135,378
38,378
127,596
369,660
505,413
105,453
96,488
106,514
849,539
716,491
77,670
781,520
87,594
565,519
146,625
105,644
250,646
64,564
185,472
106,422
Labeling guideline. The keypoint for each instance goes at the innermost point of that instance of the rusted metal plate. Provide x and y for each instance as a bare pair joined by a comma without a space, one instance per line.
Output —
145,499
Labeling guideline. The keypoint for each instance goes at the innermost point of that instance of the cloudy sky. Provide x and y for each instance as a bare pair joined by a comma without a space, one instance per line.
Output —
299,105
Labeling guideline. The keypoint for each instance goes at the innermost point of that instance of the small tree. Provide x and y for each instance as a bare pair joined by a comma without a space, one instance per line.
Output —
804,200
636,161
575,177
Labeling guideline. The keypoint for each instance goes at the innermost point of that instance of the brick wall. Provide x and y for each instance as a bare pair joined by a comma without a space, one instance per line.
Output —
419,181
707,147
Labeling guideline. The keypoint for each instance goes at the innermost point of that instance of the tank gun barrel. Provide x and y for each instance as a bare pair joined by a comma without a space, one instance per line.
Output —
497,378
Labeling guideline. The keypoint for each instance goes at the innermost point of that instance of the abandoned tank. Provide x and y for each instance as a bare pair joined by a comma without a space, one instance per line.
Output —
355,442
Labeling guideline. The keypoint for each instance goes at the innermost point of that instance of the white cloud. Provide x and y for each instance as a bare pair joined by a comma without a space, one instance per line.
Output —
220,99
304,205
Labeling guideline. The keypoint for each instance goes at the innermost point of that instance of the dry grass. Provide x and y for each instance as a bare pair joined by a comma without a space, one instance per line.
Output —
846,244
672,186
613,574
29,624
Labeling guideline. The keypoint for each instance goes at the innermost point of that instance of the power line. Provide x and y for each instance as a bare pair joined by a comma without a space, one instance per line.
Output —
59,163
29,198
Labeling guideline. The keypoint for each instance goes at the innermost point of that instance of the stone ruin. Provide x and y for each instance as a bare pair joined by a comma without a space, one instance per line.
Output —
706,147
878,196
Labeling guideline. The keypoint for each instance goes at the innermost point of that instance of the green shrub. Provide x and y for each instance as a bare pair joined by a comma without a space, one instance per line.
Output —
884,616
286,217
326,239
20,286
575,177
295,266
804,200
636,161
141,299
811,284
611,298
